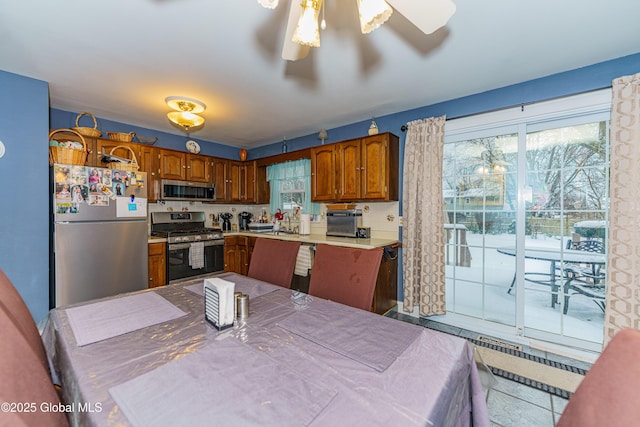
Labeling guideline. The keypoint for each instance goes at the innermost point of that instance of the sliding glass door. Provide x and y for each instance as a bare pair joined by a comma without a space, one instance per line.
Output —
519,197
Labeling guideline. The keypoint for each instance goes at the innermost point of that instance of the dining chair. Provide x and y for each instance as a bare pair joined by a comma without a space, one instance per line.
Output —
13,304
273,261
585,279
345,275
25,382
607,394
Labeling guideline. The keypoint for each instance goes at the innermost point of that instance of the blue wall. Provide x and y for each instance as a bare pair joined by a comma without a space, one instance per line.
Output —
66,119
24,193
24,230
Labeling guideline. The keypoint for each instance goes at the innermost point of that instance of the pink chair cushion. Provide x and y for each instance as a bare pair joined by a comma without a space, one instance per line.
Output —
345,275
273,261
13,304
607,396
25,380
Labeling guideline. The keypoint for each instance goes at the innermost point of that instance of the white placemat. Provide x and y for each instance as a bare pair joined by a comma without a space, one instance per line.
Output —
107,319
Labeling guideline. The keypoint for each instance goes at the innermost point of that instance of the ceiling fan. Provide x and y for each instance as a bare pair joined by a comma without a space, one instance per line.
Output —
302,26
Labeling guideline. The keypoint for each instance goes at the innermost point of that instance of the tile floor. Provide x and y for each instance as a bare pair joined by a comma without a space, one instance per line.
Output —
510,403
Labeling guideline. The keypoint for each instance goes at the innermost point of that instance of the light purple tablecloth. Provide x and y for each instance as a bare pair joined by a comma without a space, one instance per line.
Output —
368,338
217,386
433,382
252,287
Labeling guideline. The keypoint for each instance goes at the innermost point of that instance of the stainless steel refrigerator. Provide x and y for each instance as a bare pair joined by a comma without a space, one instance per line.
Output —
99,233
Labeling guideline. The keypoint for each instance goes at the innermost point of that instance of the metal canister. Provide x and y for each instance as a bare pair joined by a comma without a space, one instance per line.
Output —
236,295
243,306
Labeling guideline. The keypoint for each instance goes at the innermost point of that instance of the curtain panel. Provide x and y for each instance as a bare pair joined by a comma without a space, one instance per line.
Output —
423,261
623,264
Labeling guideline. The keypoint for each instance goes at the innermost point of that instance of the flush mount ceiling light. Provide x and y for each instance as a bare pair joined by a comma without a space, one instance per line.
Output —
185,115
302,26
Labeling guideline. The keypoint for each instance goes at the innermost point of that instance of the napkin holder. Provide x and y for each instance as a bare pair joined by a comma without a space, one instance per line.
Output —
219,303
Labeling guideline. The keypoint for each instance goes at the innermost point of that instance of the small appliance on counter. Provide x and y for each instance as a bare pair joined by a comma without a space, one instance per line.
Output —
245,219
226,221
344,222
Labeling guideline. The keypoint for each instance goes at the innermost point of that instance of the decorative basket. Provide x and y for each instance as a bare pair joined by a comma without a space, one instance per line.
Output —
67,155
127,167
90,132
120,136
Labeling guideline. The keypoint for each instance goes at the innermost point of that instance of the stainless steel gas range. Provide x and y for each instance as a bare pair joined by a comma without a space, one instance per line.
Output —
192,249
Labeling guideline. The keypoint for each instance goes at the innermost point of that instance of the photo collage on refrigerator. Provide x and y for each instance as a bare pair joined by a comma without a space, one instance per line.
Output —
78,185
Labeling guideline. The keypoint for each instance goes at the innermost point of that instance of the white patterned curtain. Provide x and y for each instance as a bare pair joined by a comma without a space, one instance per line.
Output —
623,264
423,263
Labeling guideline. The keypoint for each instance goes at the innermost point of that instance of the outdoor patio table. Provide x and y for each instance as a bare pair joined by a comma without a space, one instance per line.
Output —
567,256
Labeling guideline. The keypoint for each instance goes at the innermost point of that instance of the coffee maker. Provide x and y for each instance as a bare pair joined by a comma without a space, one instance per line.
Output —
226,221
245,219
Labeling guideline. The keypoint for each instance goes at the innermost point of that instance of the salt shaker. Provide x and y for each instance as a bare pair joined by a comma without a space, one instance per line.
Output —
243,306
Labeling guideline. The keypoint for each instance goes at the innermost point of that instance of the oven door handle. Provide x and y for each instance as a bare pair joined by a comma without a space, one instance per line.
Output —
179,246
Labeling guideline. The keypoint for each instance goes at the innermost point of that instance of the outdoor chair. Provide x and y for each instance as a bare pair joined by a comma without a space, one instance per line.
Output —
585,279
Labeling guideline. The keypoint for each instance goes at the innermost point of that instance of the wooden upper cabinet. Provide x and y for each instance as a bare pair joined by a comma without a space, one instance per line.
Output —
354,170
348,170
219,178
248,182
172,164
263,191
149,161
197,168
374,172
233,181
323,173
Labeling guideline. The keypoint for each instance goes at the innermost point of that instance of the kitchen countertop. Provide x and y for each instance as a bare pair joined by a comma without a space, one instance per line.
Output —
155,239
321,238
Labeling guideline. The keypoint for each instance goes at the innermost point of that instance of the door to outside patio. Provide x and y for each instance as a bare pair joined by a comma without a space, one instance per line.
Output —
517,200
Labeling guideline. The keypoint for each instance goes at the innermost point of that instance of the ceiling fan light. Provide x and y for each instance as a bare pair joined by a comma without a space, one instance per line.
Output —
182,103
307,32
373,13
185,119
269,4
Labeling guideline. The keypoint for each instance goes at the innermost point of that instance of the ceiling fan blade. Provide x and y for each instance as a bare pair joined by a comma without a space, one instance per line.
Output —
427,15
292,51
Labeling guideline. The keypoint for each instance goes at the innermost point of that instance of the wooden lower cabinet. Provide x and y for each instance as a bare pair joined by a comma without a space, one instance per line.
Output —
385,296
237,253
157,264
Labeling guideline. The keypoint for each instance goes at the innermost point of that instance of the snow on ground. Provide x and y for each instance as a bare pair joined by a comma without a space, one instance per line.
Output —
584,319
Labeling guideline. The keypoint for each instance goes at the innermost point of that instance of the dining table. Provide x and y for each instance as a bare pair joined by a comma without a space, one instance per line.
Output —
150,358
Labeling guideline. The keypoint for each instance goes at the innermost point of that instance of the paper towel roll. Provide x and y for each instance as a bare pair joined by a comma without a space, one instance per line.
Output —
305,224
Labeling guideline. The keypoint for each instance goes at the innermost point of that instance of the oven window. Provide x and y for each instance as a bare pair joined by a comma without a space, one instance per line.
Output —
178,261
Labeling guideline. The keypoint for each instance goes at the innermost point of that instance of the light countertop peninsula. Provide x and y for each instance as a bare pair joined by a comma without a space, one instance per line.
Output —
322,239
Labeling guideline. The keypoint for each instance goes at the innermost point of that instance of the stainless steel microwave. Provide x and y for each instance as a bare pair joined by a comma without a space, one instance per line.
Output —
187,190
344,223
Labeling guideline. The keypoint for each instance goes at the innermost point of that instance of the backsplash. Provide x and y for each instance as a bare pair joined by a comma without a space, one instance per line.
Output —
381,217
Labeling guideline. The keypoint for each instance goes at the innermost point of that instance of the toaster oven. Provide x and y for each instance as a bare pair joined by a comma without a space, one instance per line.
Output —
344,223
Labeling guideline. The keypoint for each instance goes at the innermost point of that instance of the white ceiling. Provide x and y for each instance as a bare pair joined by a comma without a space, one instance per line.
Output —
120,59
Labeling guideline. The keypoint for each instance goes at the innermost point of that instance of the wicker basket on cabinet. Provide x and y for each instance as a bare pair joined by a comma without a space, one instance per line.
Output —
121,136
90,132
63,153
127,167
